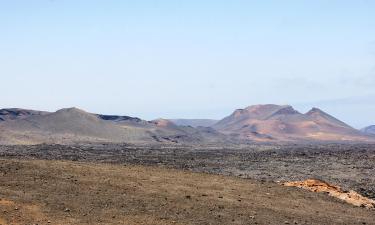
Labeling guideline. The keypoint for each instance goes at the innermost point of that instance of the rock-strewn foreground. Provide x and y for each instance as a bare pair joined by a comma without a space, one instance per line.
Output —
56,192
351,167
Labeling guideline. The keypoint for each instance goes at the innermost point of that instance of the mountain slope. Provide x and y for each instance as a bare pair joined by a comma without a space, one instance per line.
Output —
369,130
67,125
284,123
73,125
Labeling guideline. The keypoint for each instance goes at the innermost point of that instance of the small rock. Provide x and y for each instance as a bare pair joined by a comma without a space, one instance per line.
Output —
66,210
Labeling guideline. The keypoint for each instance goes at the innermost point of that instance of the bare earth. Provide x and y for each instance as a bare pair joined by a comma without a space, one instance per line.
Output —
64,192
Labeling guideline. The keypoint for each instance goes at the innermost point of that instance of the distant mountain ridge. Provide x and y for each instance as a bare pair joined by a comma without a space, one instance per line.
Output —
258,123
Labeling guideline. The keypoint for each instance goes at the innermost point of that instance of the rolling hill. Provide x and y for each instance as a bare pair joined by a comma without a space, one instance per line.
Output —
74,125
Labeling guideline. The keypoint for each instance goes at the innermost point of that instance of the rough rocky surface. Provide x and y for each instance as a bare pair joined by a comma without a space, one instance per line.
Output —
352,167
65,192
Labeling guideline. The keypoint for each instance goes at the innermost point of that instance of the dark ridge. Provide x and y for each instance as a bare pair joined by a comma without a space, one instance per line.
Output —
17,113
13,112
119,118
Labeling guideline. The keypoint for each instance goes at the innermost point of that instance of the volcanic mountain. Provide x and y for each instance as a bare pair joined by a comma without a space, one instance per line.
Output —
73,125
284,123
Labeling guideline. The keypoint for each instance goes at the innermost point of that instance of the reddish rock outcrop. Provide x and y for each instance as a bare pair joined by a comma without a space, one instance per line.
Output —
350,197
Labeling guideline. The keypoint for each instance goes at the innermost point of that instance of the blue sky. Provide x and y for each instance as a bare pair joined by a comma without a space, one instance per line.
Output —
190,59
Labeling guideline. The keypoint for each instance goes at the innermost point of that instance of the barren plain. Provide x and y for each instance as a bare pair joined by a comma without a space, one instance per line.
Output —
128,184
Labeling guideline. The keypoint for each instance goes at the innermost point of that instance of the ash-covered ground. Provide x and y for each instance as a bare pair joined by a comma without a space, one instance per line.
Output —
351,166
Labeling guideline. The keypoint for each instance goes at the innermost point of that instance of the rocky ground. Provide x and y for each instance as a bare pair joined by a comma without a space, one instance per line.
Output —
351,166
66,192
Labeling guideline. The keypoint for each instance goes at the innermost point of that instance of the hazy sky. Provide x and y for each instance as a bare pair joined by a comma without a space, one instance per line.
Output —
191,59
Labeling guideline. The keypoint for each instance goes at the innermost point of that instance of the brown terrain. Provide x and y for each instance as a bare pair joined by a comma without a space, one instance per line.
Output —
63,192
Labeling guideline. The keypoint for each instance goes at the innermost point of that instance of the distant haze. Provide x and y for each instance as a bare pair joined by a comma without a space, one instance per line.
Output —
189,59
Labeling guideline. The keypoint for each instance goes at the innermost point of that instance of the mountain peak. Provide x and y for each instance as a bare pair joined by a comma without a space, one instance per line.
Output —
315,110
263,107
71,110
266,111
286,110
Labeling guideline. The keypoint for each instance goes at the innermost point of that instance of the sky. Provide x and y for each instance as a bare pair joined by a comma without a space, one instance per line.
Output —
189,58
